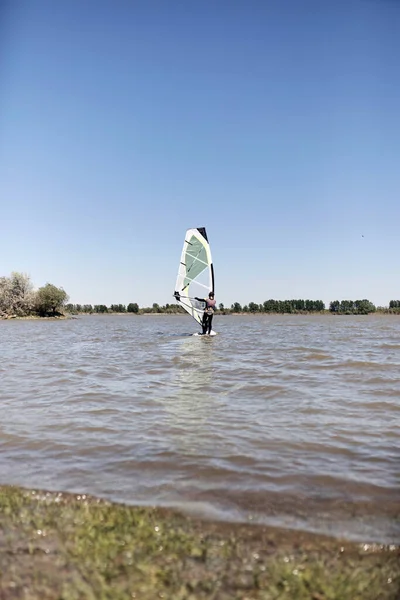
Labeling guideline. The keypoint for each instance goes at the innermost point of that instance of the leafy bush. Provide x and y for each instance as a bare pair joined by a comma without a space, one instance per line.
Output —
16,294
50,300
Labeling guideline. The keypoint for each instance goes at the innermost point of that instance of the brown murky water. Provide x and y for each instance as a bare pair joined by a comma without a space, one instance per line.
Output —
291,421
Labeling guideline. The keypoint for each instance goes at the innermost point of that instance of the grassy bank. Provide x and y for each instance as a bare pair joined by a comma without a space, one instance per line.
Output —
65,547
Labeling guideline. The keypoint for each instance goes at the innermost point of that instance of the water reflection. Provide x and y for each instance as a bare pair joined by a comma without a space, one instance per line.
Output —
191,404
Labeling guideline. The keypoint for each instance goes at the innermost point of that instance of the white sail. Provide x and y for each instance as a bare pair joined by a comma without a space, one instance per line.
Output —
195,274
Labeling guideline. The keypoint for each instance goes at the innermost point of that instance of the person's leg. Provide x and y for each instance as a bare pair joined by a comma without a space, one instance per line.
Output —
204,324
210,318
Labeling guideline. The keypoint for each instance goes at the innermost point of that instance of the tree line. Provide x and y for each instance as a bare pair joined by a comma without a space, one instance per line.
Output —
340,307
278,306
132,307
19,298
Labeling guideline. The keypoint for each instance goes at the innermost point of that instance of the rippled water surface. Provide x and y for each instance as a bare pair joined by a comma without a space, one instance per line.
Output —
290,420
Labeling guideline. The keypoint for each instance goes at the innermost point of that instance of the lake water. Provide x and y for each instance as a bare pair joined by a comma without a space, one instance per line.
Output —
285,420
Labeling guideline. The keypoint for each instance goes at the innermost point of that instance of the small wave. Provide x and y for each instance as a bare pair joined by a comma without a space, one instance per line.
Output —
365,364
390,346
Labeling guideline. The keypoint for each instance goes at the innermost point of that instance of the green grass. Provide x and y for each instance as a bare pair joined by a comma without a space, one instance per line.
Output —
65,547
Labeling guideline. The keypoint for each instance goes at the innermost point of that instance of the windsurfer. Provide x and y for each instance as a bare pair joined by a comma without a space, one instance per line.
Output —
210,306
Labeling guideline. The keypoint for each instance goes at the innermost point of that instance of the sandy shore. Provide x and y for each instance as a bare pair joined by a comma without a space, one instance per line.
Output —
67,547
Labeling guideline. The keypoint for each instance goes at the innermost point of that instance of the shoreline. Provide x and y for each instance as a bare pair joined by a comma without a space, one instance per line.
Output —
150,314
62,545
36,318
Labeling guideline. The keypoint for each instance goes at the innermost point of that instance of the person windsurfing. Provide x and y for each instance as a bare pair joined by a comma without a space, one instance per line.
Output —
209,309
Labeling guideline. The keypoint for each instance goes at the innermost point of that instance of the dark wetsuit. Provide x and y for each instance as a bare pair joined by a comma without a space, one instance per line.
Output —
210,306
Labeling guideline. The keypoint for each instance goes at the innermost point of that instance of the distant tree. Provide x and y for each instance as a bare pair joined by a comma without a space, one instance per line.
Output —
299,304
179,309
287,306
170,308
118,308
156,308
100,308
87,308
346,306
133,307
236,307
221,306
309,305
253,307
50,300
349,307
270,306
364,307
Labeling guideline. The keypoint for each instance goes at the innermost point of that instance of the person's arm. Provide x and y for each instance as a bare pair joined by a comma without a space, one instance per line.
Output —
201,300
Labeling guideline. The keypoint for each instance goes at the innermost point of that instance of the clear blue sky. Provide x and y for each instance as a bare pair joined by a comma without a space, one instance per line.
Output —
275,124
